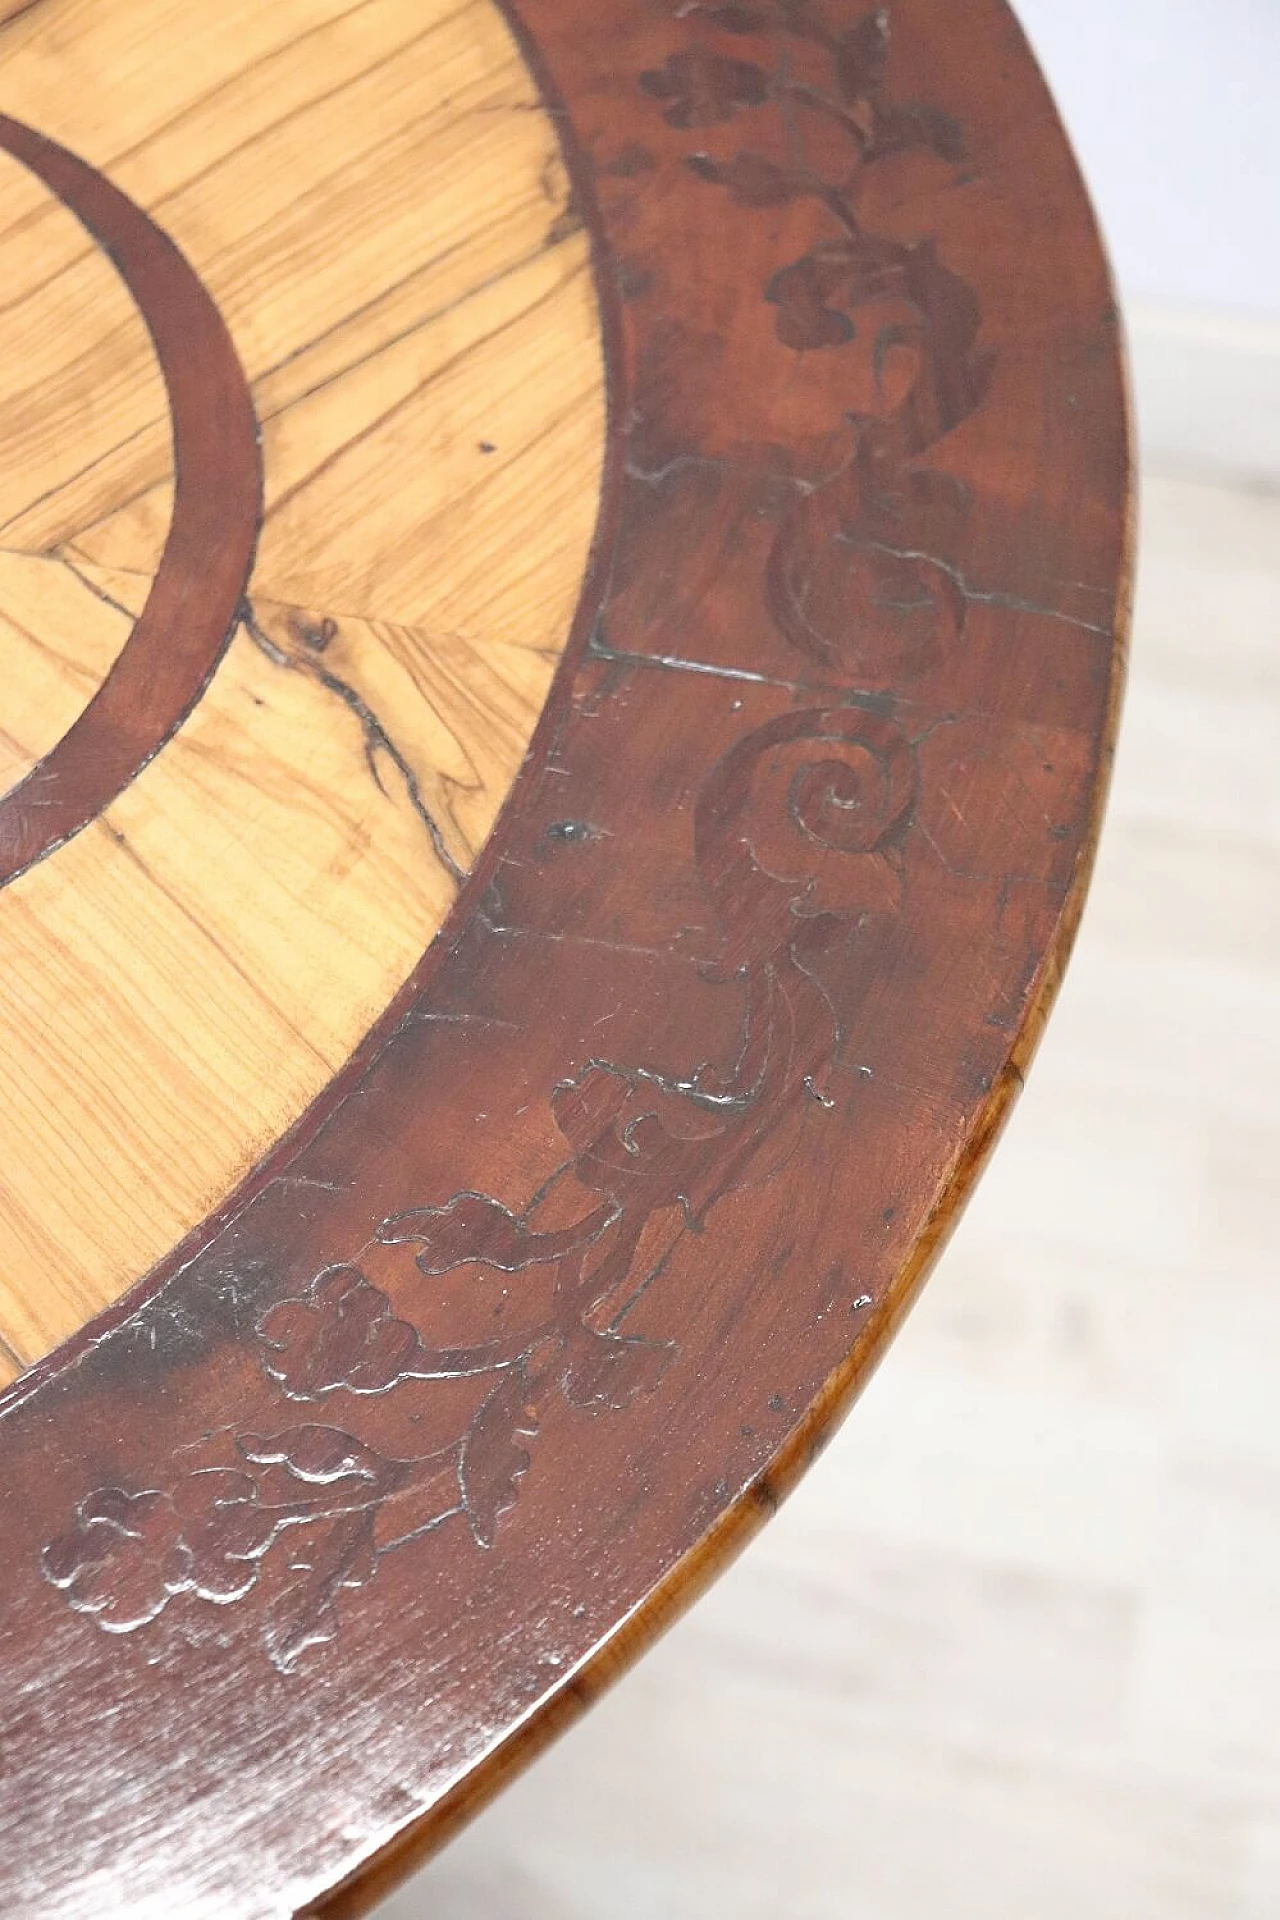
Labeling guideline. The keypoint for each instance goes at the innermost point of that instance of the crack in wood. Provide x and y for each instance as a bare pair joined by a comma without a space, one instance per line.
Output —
376,737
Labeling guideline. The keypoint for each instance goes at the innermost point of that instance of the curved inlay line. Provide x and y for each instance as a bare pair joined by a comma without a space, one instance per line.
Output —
193,606
564,1280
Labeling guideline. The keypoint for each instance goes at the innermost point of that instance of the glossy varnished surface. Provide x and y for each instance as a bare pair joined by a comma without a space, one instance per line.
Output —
343,228
559,1284
1014,1640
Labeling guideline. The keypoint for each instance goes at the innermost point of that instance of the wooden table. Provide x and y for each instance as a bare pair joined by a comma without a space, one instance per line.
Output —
562,592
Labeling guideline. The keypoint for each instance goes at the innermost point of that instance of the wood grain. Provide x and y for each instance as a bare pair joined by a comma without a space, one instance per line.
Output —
378,209
202,573
546,1301
1017,1631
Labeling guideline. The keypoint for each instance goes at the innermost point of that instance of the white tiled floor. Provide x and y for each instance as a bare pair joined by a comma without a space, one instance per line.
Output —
1012,1652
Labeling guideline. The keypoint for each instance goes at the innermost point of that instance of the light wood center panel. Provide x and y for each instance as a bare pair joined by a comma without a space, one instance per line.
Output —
375,199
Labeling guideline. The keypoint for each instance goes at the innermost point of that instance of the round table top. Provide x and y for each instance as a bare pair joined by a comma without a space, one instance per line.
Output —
563,579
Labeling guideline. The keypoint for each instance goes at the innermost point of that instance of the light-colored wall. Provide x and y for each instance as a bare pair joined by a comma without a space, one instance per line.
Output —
1171,104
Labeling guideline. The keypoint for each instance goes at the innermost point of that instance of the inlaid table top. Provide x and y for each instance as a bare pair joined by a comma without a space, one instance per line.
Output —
563,579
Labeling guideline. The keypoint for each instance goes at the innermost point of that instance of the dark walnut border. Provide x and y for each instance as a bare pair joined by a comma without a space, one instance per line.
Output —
377,1480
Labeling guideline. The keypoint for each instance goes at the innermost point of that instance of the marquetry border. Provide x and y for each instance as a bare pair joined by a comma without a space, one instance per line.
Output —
537,1312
